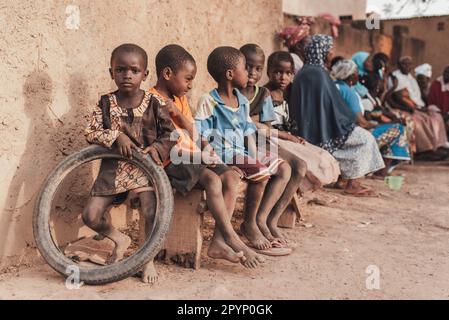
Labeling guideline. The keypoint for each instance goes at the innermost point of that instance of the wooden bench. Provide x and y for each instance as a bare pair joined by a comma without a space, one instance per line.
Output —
185,239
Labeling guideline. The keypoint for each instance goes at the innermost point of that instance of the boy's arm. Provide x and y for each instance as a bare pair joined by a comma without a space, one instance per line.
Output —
250,137
264,119
208,154
186,125
180,119
203,122
270,132
95,132
164,141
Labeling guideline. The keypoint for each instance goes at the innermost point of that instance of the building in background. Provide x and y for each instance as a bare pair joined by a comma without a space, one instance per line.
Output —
418,28
425,39
354,9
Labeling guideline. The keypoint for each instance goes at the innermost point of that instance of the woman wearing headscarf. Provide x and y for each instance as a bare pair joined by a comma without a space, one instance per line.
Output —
368,64
404,95
391,137
362,61
293,37
423,73
325,120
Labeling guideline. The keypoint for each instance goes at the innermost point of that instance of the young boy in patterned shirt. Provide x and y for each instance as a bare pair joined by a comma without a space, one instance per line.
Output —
127,119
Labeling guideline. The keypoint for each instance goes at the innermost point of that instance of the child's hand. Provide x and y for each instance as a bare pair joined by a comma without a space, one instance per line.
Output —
301,140
171,108
125,145
296,139
239,171
153,154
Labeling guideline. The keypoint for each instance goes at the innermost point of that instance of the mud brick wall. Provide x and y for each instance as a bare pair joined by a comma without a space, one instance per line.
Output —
54,66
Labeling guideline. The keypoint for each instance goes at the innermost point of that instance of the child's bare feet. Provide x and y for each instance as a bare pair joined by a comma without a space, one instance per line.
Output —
122,242
276,232
255,236
220,250
230,248
316,183
252,259
265,230
272,233
149,273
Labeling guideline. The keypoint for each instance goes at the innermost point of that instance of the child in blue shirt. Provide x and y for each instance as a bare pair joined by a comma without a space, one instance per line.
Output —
222,118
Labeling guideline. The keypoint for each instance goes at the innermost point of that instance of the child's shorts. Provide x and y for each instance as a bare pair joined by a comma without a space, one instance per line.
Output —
257,170
117,178
185,177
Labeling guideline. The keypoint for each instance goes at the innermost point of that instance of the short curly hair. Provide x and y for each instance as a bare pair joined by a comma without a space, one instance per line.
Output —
277,57
173,56
222,59
251,48
130,47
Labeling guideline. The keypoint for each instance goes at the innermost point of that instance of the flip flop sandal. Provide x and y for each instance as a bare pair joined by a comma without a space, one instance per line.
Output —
277,244
361,193
274,252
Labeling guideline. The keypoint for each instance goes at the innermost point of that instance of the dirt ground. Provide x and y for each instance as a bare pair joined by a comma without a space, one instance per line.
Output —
404,234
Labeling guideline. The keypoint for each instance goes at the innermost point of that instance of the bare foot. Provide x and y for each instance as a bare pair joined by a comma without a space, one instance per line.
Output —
255,237
122,242
149,273
250,258
359,191
276,232
316,183
265,230
220,250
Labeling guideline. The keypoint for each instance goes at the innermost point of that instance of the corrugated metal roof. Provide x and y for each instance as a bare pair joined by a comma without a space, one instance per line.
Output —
418,17
407,18
408,9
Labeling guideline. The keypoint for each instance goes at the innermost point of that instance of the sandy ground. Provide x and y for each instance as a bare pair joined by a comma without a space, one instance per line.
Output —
404,234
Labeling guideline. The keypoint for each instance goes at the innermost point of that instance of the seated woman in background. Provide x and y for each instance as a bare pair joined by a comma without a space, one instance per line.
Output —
390,135
423,73
324,120
368,64
429,129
